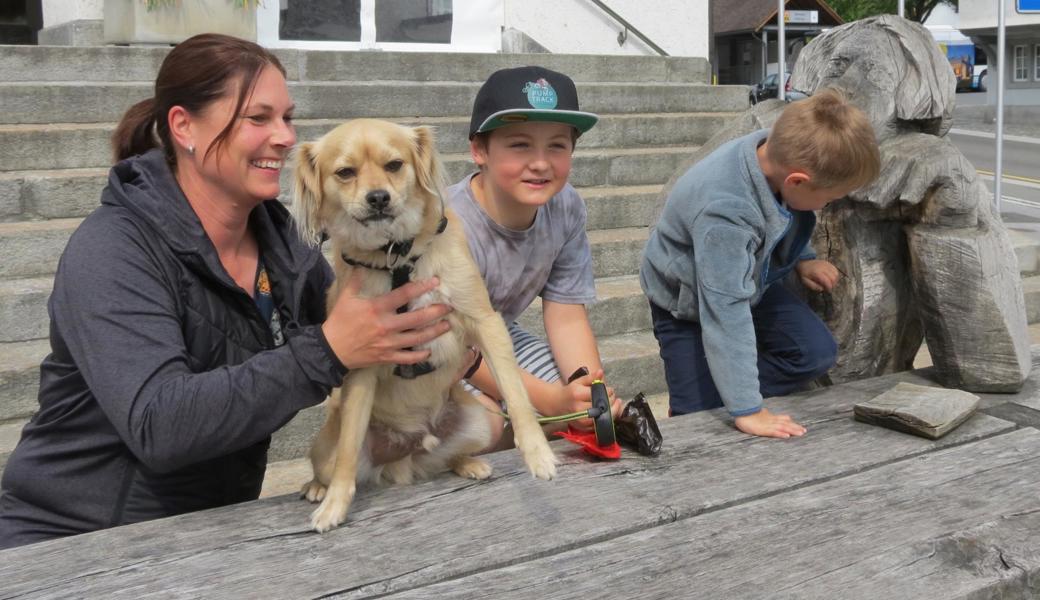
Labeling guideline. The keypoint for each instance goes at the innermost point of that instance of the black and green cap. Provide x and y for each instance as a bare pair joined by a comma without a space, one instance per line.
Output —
525,94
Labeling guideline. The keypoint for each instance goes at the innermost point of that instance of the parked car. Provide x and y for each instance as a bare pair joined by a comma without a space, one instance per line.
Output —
768,88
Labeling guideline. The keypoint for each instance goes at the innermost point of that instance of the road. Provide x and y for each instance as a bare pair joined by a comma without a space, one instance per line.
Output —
1021,183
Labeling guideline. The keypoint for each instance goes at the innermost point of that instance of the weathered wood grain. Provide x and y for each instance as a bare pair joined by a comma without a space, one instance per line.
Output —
402,538
960,523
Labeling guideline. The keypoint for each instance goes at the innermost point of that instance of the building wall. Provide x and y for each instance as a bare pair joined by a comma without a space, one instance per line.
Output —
56,12
580,27
978,14
1022,30
561,26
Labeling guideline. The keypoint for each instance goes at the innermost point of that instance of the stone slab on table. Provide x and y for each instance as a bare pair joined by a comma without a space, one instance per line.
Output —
927,411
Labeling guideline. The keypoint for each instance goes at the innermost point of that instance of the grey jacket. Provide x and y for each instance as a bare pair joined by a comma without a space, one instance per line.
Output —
722,239
163,384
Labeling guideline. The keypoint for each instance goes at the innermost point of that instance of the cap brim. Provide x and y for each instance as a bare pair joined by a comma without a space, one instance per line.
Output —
582,121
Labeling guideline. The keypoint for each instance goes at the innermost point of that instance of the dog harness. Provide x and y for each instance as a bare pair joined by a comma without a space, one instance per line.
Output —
401,274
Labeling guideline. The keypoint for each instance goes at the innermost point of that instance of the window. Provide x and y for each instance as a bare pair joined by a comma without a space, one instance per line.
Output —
1019,64
1036,62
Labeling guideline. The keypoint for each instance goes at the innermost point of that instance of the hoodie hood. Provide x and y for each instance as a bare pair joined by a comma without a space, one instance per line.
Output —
145,186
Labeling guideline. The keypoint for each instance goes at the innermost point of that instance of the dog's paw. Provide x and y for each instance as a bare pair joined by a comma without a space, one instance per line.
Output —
399,472
313,491
540,460
332,511
429,442
471,468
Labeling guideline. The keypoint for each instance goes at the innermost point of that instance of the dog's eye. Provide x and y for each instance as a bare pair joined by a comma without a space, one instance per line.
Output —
394,165
346,173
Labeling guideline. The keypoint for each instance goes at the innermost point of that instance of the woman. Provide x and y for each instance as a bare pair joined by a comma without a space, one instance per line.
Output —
188,322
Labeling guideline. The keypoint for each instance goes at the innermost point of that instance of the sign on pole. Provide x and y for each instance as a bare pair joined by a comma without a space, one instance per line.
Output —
1027,6
801,16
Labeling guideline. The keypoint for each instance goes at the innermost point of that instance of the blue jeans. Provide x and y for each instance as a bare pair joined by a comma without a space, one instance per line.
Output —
794,347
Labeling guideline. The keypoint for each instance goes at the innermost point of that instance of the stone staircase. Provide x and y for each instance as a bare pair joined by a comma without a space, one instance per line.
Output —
61,105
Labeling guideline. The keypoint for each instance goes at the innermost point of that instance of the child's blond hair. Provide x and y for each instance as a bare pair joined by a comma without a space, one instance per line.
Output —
829,138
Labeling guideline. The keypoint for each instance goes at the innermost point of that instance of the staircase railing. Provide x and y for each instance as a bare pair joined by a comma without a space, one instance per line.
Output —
628,27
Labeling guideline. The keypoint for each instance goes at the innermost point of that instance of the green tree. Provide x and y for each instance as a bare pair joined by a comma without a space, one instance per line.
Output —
915,10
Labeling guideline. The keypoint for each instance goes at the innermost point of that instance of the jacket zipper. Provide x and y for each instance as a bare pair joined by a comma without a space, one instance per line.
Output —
769,255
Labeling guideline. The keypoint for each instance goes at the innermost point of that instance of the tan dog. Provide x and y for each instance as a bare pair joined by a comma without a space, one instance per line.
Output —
373,186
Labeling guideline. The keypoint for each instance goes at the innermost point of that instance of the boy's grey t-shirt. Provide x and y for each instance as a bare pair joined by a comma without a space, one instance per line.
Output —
551,258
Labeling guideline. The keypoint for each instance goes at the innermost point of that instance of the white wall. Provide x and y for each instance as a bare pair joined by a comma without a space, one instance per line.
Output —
56,12
581,27
976,14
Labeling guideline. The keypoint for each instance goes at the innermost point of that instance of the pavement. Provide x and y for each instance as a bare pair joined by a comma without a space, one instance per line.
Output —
968,114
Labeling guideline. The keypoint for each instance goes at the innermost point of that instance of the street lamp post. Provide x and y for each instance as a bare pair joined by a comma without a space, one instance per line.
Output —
781,59
998,172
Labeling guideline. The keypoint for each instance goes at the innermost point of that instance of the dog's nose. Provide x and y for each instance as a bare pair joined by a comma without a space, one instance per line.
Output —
378,199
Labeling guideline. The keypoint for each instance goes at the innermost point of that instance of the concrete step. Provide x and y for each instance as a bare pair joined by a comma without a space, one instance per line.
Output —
35,248
115,63
1027,250
1031,292
616,256
620,308
32,248
50,194
85,145
23,309
616,252
93,102
9,434
20,378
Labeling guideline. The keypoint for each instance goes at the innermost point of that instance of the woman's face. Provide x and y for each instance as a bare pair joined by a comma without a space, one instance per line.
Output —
245,168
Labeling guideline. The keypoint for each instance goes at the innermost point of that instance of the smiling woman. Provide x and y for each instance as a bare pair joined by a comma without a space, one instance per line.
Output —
188,320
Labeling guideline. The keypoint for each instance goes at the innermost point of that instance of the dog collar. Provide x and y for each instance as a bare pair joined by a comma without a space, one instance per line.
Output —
400,274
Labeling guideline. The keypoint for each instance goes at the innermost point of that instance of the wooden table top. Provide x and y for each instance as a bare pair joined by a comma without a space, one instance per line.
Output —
849,511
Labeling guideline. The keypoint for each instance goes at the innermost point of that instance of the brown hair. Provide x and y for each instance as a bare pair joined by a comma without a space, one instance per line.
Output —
829,138
196,73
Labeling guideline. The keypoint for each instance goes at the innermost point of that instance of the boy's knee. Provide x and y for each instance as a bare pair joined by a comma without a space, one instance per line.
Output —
820,355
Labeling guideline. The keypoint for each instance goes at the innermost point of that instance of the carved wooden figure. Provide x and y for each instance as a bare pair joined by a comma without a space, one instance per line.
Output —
923,252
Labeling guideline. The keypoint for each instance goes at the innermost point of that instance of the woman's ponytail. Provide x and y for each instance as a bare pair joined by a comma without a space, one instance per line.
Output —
135,133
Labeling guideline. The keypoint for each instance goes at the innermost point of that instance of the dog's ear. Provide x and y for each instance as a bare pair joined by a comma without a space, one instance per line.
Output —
306,192
428,170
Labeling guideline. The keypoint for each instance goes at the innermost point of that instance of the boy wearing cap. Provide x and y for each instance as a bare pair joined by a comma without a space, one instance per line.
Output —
526,230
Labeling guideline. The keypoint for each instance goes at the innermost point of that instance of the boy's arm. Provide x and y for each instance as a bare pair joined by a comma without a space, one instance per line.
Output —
543,394
574,346
726,284
570,337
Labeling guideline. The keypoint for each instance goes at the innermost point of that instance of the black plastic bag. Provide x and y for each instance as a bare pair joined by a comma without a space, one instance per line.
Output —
637,429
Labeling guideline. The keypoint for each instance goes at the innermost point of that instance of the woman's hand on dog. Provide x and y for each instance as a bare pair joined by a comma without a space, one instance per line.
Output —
576,396
369,331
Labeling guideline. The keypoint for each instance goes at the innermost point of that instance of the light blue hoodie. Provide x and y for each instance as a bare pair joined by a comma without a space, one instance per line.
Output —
709,260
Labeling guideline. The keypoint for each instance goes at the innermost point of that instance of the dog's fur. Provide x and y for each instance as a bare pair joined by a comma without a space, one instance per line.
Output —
334,179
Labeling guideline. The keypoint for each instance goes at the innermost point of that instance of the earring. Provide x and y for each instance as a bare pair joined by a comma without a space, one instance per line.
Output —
191,148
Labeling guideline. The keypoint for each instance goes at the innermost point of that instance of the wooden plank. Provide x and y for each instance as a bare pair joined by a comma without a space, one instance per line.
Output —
401,538
959,523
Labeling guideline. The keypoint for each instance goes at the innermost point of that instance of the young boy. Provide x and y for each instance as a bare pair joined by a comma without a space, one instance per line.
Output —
733,226
526,230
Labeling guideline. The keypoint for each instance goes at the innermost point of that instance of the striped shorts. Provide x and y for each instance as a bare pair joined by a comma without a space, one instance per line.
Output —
532,354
